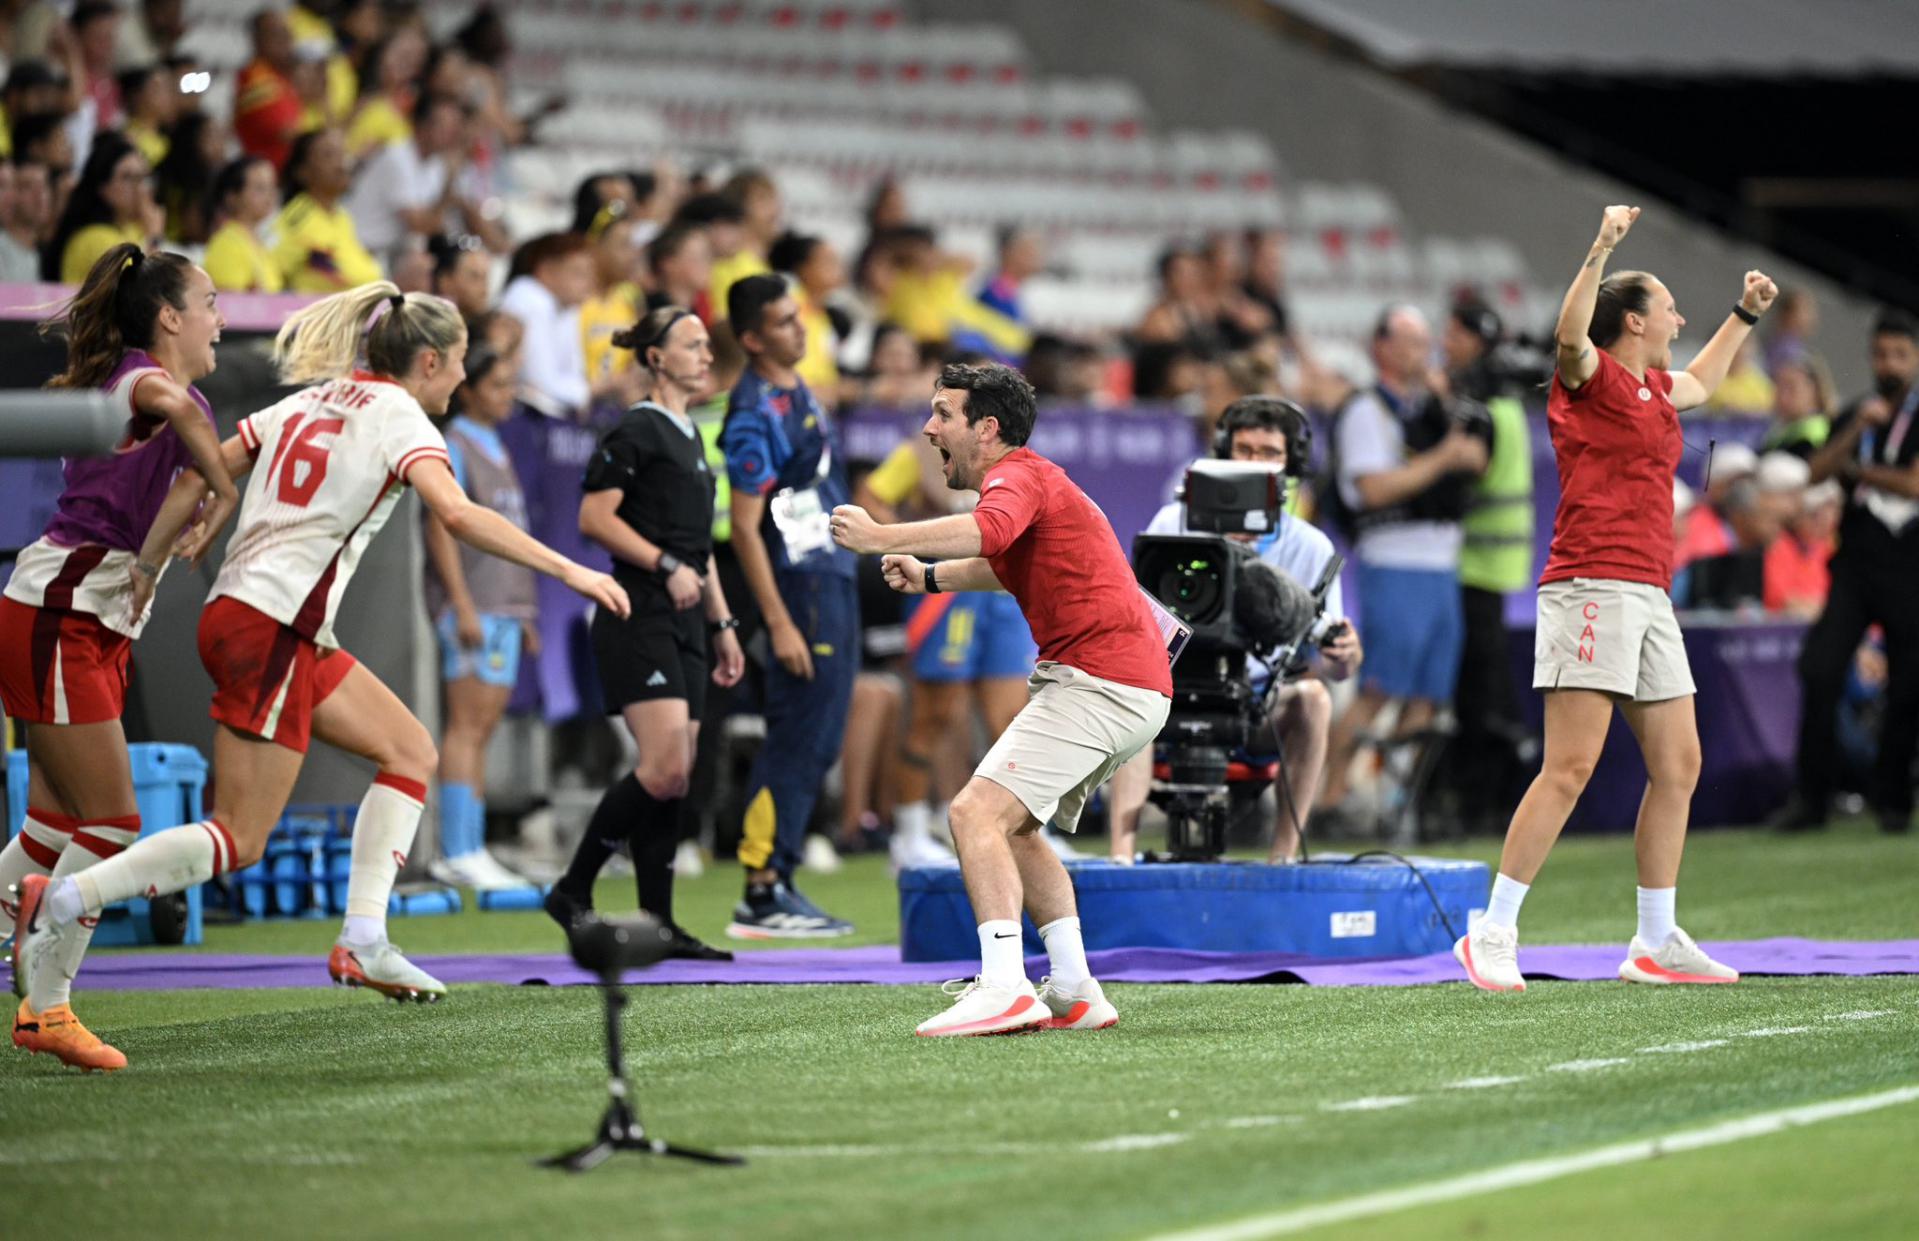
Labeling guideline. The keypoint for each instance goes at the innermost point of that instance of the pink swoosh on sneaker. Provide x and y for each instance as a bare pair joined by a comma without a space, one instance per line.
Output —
1466,955
985,1024
1650,966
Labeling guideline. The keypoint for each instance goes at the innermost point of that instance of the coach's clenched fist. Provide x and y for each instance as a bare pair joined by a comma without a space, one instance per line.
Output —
855,530
906,574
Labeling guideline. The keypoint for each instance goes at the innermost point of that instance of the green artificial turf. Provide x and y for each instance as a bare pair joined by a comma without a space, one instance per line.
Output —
317,1113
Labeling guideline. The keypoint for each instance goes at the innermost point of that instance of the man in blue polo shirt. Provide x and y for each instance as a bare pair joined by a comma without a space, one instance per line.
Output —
787,475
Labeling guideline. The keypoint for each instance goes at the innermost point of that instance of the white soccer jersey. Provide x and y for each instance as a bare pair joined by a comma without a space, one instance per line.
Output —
330,463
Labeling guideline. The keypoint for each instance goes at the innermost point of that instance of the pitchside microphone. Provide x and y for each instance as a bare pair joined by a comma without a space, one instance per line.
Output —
37,422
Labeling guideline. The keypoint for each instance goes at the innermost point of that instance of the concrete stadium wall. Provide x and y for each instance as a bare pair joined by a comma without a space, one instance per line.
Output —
1210,63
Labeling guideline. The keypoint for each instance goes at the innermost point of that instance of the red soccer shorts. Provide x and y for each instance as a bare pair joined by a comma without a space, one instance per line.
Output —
267,679
59,667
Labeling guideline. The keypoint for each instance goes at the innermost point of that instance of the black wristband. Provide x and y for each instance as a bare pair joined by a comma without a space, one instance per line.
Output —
666,564
1743,315
932,583
721,626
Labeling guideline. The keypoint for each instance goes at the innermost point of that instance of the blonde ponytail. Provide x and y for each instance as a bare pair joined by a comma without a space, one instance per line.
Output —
329,338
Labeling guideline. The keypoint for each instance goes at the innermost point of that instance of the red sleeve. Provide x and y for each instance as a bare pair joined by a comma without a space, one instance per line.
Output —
1007,507
1604,376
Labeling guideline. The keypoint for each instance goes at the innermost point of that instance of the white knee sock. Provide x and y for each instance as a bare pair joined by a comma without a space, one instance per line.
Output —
1065,953
382,834
911,822
1656,916
1503,909
35,851
162,863
94,842
1002,962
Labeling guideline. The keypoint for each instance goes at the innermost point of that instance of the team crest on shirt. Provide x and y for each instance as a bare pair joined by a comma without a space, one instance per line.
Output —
1645,394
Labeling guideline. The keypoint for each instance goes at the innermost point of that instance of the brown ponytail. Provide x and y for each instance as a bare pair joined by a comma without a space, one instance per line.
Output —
1620,294
115,311
650,332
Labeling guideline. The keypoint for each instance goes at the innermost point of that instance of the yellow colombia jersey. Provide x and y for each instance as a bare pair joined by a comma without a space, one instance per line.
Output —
601,317
377,124
342,83
85,247
819,368
318,250
726,271
239,262
898,477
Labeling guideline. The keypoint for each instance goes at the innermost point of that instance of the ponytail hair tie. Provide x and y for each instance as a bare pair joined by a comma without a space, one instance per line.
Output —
397,301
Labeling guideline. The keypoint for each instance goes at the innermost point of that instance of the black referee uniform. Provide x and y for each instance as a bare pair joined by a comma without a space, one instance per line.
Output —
658,462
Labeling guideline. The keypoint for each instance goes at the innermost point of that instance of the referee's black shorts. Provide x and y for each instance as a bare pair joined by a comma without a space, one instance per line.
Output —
654,653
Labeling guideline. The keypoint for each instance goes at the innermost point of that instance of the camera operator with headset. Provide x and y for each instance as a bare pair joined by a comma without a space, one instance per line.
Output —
1271,432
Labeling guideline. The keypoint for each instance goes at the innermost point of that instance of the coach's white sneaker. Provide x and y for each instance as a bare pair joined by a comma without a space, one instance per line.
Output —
380,967
1085,1007
1490,955
1678,960
979,1008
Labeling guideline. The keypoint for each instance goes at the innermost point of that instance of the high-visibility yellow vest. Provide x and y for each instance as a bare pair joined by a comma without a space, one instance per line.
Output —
1498,550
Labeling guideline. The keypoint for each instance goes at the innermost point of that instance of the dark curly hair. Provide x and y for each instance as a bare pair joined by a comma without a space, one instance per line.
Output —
995,391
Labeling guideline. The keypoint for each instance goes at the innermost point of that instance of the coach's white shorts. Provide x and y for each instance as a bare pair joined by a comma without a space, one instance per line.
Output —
1617,637
1075,730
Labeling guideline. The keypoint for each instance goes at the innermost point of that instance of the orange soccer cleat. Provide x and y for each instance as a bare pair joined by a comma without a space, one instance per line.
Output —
59,1033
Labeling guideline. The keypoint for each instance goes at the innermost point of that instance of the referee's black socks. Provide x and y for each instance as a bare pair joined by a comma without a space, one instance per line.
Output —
621,807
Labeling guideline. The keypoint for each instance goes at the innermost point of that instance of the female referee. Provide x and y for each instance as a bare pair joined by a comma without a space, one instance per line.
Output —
649,501
142,329
1606,631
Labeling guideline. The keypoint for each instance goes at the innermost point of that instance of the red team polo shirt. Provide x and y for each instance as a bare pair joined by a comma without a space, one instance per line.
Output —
1618,444
1055,552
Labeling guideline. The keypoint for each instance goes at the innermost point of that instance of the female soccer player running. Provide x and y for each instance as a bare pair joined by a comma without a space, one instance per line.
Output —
333,458
142,328
1607,635
649,501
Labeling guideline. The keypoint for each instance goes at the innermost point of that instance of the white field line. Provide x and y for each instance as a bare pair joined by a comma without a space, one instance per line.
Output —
1587,1066
1535,1171
1701,1045
1372,1103
1773,1031
1863,1014
1483,1083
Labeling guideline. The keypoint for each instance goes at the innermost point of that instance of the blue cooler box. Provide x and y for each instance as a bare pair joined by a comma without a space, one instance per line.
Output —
169,783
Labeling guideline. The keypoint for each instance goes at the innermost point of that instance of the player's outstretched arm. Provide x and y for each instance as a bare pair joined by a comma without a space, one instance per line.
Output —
907,575
1695,385
480,527
944,538
1575,356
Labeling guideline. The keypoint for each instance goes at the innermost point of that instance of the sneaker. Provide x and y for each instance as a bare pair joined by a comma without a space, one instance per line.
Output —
1085,1007
1678,960
688,861
380,967
924,851
1490,955
478,870
686,948
982,1009
807,906
779,912
820,856
58,1032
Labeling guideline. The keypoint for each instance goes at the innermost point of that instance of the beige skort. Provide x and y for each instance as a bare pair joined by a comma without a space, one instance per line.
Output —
1617,637
1075,730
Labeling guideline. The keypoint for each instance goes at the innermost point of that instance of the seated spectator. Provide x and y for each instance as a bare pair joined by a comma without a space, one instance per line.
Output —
1065,370
1021,257
1736,577
1169,373
1797,573
266,107
1241,320
723,225
758,202
150,100
26,213
246,194
111,203
679,264
411,268
422,186
1708,531
814,271
355,28
387,91
1265,279
929,297
42,139
902,375
148,35
552,276
318,248
184,180
1183,314
96,30
616,302
500,332
1802,402
1747,389
463,275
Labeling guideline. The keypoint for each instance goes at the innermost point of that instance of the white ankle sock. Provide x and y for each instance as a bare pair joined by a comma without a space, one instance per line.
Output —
94,843
911,823
383,832
1656,918
1065,953
35,851
156,865
1508,895
940,826
1002,962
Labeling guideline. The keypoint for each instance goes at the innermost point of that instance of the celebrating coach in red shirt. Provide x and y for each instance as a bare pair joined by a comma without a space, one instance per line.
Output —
1606,630
1099,695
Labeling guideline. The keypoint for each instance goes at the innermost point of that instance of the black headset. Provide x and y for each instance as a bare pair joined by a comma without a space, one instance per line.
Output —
1268,413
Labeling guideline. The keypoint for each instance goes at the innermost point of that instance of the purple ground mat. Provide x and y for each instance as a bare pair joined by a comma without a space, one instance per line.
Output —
173,971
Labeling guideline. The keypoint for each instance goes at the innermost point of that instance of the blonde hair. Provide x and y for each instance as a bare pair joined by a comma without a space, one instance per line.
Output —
327,339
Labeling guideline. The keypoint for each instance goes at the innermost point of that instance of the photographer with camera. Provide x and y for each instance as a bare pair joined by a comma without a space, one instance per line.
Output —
1404,460
1266,431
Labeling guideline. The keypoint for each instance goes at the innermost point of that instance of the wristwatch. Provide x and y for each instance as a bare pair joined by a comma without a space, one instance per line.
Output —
666,564
932,582
721,626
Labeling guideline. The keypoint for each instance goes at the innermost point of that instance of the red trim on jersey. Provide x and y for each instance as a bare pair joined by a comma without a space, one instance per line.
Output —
249,437
286,646
368,377
401,784
307,621
80,562
416,456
